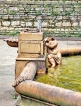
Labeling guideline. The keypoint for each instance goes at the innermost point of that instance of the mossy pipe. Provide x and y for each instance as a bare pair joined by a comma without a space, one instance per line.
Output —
48,93
70,51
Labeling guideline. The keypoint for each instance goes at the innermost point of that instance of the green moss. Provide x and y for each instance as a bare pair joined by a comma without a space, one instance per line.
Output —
68,75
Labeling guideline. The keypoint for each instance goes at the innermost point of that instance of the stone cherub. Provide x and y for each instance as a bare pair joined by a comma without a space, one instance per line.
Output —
54,55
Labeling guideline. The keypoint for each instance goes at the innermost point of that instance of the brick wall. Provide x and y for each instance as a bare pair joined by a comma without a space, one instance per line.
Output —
58,18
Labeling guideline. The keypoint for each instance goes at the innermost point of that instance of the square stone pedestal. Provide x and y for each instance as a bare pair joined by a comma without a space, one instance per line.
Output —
21,63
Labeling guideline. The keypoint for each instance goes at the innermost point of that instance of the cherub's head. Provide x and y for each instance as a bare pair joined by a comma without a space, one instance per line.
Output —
49,39
51,42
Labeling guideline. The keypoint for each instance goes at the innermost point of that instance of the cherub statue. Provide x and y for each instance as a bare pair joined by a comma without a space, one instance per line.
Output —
54,55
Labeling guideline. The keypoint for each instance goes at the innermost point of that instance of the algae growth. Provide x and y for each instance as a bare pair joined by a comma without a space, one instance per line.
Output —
68,75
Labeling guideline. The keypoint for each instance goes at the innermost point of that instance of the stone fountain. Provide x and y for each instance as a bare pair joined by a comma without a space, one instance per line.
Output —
31,60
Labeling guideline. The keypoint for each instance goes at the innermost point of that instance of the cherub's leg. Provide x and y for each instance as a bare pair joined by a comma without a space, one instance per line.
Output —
59,55
58,58
51,60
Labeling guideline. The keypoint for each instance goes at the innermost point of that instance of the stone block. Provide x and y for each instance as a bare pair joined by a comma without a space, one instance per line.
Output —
21,62
30,48
75,24
5,17
30,36
15,23
80,23
58,24
6,23
66,24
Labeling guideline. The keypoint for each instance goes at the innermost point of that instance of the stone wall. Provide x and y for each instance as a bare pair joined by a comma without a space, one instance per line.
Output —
59,18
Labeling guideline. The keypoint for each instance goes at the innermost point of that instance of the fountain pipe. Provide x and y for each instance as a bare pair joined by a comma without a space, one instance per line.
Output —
70,51
45,92
39,24
28,73
48,93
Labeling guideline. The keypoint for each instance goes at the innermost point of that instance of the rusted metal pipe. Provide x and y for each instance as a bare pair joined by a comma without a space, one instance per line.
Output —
28,73
48,93
70,51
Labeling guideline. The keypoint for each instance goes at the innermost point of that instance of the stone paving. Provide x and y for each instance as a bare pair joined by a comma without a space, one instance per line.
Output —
7,66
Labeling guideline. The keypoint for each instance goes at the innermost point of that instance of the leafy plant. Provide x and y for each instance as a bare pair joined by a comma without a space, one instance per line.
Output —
13,33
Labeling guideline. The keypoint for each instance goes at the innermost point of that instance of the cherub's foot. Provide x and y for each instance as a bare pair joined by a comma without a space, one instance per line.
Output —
53,65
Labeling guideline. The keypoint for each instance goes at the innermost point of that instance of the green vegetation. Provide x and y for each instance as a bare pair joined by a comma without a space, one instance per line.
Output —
67,76
13,33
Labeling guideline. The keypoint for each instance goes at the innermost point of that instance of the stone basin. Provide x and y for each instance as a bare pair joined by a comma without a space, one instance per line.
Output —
13,42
